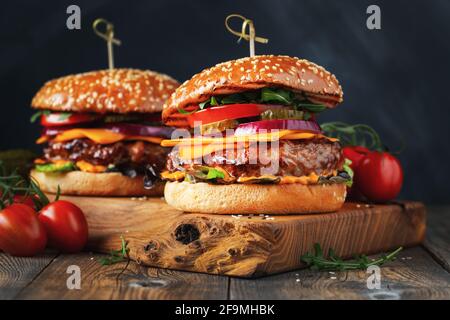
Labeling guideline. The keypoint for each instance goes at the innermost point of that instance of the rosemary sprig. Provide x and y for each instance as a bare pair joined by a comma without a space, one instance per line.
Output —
354,135
14,184
117,256
332,262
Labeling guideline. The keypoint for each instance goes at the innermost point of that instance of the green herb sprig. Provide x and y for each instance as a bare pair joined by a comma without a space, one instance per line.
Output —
12,184
117,256
354,135
317,260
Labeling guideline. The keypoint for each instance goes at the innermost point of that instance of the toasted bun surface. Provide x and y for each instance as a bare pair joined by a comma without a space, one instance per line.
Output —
256,199
252,73
94,184
116,91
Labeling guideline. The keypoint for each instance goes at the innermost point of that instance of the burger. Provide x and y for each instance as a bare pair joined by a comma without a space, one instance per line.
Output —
100,130
248,142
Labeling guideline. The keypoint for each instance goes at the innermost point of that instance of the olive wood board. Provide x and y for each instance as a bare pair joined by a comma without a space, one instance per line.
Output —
244,246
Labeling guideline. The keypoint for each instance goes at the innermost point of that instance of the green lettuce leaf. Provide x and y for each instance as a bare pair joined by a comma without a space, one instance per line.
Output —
54,168
207,173
349,171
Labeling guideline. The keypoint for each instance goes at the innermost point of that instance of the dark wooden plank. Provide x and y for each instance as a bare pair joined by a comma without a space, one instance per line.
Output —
438,234
160,236
113,282
414,275
16,273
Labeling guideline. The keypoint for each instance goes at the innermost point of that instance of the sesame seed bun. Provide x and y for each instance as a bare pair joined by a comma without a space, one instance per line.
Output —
252,73
292,198
111,184
105,91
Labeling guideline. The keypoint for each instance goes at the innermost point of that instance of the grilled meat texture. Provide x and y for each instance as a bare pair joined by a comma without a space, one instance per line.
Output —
290,158
130,154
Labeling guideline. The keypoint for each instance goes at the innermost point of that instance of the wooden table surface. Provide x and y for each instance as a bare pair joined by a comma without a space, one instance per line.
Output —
421,272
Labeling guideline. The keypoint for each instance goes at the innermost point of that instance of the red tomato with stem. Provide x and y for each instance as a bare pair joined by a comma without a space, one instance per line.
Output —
66,226
21,232
379,176
27,200
355,154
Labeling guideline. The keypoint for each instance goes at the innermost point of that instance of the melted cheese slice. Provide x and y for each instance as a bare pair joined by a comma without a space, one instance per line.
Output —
89,167
100,136
260,137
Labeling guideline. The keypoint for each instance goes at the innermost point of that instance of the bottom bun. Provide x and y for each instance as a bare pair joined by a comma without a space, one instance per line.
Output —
251,198
95,184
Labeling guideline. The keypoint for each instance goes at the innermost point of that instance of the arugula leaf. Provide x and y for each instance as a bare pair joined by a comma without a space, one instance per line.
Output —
38,114
182,111
349,171
276,95
234,98
53,167
213,101
265,95
252,95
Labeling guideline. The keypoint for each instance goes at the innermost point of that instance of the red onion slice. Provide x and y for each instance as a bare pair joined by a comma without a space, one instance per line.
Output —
279,124
139,130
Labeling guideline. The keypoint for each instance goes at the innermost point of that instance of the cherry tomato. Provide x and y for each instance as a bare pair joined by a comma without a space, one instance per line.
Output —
56,119
379,176
66,226
231,111
21,232
27,200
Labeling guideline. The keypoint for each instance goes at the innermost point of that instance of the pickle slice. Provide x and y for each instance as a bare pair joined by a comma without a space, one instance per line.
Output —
283,114
219,126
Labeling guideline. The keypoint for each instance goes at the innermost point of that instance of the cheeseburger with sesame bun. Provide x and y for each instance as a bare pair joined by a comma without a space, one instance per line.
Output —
100,130
251,143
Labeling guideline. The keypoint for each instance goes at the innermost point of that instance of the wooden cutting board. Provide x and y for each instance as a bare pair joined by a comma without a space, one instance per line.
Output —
244,246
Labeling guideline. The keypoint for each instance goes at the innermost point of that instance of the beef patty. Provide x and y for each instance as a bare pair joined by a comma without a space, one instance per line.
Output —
295,158
128,153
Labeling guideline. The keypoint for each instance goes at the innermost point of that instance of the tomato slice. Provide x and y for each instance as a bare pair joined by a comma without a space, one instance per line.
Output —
230,112
64,119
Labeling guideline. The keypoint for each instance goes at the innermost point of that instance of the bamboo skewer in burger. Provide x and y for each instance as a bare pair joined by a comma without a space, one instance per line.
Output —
261,98
100,129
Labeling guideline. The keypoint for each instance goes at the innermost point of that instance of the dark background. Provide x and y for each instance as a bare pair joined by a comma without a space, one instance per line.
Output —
395,79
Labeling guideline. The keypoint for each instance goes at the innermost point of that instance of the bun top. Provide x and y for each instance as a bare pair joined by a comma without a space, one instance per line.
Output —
252,73
105,91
